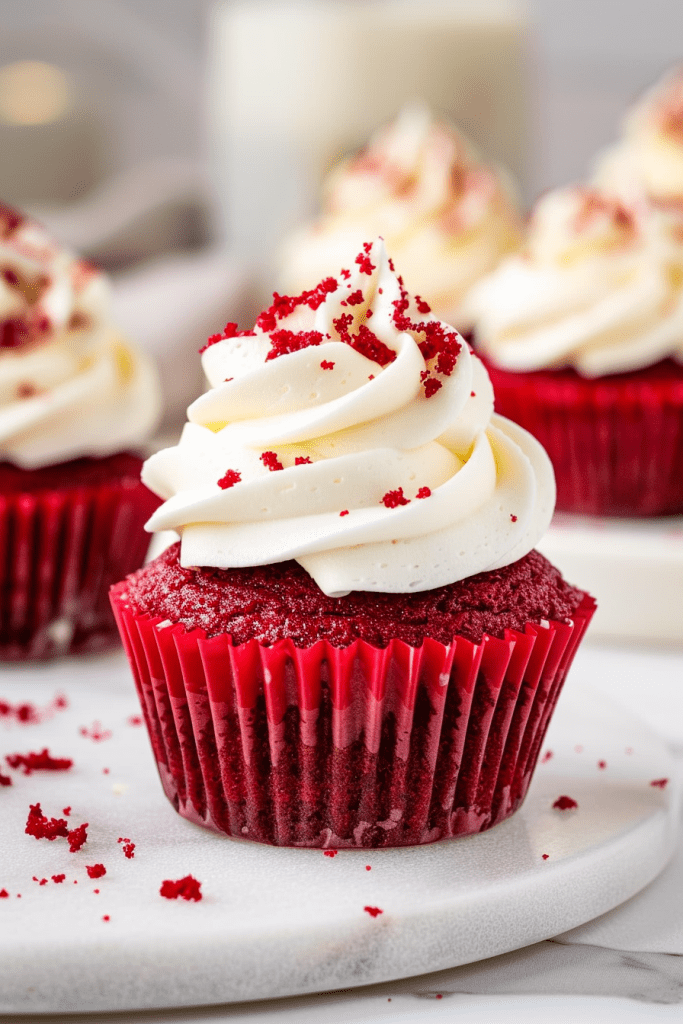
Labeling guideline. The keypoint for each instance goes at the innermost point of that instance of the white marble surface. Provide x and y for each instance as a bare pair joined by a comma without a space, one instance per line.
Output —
583,976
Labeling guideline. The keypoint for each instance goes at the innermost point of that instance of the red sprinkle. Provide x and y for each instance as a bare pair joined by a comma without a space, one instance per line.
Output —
659,783
232,477
373,911
271,461
424,492
38,762
95,870
392,499
565,803
326,365
187,888
330,853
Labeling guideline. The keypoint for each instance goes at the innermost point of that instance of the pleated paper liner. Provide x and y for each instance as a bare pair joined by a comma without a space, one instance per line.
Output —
616,442
61,550
346,747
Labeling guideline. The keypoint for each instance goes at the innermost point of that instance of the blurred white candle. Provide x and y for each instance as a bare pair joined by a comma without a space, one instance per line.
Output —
293,86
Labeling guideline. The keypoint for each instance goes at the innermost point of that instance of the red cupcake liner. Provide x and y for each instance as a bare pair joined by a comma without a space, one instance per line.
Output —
62,549
616,443
346,747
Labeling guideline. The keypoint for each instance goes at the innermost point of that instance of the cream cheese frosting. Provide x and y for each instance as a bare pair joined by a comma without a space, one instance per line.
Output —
70,385
648,159
597,287
445,217
354,432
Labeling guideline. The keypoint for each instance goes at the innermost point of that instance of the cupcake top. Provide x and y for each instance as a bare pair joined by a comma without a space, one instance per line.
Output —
445,217
353,432
70,386
597,287
648,160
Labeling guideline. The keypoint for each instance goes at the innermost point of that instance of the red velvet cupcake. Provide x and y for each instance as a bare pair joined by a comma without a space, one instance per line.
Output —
583,339
74,397
355,644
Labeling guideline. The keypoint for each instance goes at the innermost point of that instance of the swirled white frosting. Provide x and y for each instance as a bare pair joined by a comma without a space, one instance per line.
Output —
367,451
598,287
648,159
445,217
70,386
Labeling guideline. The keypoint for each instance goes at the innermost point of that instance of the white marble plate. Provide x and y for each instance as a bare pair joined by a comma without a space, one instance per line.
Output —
278,921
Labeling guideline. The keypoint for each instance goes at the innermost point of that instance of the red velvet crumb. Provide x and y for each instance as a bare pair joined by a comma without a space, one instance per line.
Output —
545,856
229,331
565,803
3,894
302,460
106,917
355,298
232,477
392,499
134,720
422,306
128,847
344,512
271,461
431,386
513,518
95,870
66,810
283,342
602,764
368,867
546,757
38,762
95,732
58,878
326,364
5,780
365,264
330,853
77,837
187,888
373,911
38,825
659,783
424,492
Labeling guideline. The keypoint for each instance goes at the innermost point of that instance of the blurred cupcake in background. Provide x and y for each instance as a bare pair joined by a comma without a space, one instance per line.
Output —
582,334
446,218
75,401
648,159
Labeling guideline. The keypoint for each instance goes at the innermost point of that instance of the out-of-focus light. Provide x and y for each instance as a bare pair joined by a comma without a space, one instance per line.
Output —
32,92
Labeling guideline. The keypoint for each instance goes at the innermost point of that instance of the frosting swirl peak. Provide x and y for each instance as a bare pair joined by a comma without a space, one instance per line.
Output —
353,431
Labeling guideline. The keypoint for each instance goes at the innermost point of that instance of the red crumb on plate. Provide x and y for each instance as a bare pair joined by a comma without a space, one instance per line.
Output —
95,870
187,888
128,847
602,764
546,757
659,783
392,499
545,856
373,911
271,461
38,825
3,894
368,868
326,364
106,918
134,720
344,512
95,732
66,810
330,853
38,762
565,803
424,492
5,780
58,878
513,518
77,837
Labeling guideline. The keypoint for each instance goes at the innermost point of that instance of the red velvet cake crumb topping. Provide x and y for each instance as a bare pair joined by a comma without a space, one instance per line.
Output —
95,870
271,602
271,461
77,837
302,460
58,879
659,783
127,847
284,342
373,911
326,364
232,477
3,894
392,499
424,492
187,888
5,780
40,827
